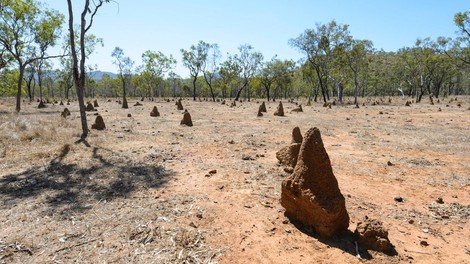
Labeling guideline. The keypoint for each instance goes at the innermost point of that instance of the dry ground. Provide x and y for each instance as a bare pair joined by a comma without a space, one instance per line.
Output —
147,190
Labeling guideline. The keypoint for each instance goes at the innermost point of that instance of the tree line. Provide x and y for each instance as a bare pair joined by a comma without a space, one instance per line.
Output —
334,64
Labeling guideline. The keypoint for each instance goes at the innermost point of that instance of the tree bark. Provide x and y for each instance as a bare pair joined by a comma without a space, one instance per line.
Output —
20,84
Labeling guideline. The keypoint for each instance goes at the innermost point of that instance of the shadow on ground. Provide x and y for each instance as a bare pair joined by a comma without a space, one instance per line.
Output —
71,186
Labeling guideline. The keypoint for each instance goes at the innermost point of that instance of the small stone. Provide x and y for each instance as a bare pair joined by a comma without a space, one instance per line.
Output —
247,157
389,163
424,243
129,115
398,199
212,172
439,200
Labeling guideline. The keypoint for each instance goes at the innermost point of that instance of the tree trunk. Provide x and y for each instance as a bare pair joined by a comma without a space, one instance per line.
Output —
20,84
194,87
340,92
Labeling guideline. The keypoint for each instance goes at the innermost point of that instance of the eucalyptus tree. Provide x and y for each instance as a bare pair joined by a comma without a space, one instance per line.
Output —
89,11
320,46
27,30
356,55
462,45
229,72
308,76
155,65
194,60
66,62
267,76
283,72
249,62
175,82
211,66
125,65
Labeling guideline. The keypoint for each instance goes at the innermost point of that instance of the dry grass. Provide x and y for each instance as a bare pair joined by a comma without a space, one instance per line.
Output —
141,191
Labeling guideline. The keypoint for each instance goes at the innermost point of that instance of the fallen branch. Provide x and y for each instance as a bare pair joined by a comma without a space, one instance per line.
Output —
76,245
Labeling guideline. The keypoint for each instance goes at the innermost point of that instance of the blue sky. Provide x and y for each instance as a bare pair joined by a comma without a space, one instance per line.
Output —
168,26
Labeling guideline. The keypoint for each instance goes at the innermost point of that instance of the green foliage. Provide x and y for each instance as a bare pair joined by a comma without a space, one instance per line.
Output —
8,82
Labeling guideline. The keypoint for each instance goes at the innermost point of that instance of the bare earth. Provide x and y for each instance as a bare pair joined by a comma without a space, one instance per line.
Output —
148,190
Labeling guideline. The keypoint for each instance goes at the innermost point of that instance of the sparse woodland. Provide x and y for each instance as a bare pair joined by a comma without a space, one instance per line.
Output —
351,155
335,64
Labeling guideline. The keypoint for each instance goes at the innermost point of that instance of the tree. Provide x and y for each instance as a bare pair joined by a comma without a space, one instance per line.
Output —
229,71
125,69
248,62
356,59
194,59
267,76
26,31
320,46
211,66
66,62
462,45
155,65
78,66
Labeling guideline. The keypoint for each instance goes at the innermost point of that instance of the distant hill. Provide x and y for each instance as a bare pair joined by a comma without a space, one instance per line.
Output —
98,75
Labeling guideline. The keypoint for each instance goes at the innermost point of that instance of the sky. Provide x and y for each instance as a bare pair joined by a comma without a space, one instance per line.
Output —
169,26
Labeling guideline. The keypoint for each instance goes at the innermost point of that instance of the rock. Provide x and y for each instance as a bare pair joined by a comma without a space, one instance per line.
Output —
179,105
99,123
262,107
154,112
407,103
233,104
137,104
439,200
311,194
89,107
398,199
389,163
95,103
247,157
223,102
129,115
279,110
61,103
186,120
371,234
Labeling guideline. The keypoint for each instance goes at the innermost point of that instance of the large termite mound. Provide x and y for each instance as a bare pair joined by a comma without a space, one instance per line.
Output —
155,112
279,110
99,123
186,120
311,193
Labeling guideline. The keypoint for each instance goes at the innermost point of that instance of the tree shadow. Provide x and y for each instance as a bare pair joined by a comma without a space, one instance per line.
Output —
65,186
344,240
